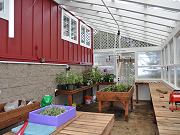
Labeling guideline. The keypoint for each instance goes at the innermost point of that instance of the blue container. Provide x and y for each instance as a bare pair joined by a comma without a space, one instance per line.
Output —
36,117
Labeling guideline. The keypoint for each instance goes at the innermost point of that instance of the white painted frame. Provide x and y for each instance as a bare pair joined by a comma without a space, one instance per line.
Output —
68,38
86,27
8,14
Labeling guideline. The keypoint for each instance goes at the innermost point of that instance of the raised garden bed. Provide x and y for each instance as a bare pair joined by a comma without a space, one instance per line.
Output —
119,95
17,115
41,116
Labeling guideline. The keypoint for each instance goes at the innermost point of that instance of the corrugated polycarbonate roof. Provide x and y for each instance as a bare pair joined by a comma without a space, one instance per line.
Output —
145,20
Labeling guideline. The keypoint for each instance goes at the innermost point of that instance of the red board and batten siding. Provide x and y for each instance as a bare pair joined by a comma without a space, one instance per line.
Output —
38,34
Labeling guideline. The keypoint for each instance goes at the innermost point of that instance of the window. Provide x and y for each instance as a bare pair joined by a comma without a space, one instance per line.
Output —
149,65
85,35
2,6
7,13
171,53
69,27
4,9
178,49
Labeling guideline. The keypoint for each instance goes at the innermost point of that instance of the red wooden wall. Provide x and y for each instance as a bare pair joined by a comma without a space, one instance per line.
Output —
38,35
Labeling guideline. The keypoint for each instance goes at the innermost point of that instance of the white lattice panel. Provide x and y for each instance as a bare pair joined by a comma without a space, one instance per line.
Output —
104,40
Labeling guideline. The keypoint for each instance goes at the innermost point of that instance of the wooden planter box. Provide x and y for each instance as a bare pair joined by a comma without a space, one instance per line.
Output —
123,97
15,116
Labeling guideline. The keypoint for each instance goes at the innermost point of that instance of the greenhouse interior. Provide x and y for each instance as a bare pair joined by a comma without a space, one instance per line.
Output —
89,67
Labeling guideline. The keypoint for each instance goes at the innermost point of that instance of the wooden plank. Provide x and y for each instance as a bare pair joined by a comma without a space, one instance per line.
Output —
168,122
77,126
69,132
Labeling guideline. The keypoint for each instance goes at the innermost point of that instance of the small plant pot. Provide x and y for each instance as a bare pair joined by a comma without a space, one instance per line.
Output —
70,87
78,85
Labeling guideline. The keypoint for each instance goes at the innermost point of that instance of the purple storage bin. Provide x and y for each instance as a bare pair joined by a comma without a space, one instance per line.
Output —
36,117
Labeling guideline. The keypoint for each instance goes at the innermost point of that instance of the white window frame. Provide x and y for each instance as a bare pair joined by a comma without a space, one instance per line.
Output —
8,14
68,38
86,28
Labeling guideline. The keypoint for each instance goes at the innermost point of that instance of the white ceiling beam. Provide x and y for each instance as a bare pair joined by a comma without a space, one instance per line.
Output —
127,21
125,14
122,25
129,32
116,8
133,30
165,4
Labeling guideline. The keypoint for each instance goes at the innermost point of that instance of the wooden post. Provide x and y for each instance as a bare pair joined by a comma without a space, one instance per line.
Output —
136,93
100,106
131,104
97,87
126,110
70,100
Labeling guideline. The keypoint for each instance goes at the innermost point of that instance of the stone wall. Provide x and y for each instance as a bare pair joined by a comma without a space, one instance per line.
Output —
31,81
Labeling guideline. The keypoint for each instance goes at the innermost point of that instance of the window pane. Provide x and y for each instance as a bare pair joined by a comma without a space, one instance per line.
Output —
171,69
149,58
87,37
149,72
178,49
83,34
178,76
66,26
166,56
163,57
166,78
171,53
1,5
73,29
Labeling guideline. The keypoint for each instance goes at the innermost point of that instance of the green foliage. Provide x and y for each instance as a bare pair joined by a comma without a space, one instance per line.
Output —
69,78
108,77
53,111
61,78
117,88
79,78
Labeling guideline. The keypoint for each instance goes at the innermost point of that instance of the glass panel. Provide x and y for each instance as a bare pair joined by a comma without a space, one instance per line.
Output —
149,58
167,72
178,76
87,37
66,26
178,49
166,56
163,57
149,72
73,30
103,61
83,34
171,69
1,5
171,53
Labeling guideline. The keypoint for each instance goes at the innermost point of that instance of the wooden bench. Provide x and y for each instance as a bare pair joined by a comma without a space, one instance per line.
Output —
86,123
168,122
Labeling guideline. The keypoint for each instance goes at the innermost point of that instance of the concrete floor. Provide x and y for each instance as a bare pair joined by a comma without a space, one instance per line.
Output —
141,121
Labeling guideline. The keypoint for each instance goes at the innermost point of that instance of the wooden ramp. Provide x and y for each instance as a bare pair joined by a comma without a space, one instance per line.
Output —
168,122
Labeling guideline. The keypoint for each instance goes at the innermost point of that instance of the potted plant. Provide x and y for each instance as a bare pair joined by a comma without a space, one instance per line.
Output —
79,80
87,80
71,80
108,78
61,80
